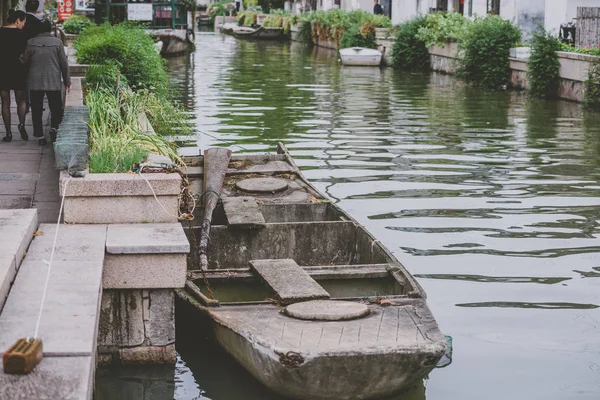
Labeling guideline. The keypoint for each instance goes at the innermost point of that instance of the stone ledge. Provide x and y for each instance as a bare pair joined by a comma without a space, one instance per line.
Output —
146,239
121,184
120,210
144,271
16,232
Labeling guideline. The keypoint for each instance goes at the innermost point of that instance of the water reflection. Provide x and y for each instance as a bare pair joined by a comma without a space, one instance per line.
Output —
490,198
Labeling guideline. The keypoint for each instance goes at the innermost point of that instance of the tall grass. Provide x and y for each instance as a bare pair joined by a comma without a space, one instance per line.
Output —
117,140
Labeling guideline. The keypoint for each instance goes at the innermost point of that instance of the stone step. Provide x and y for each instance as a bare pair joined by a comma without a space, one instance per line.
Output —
16,232
290,282
145,256
69,323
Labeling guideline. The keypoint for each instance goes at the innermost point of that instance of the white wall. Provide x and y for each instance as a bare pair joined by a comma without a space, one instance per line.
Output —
403,10
562,11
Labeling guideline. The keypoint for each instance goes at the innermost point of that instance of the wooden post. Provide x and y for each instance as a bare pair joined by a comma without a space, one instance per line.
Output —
588,27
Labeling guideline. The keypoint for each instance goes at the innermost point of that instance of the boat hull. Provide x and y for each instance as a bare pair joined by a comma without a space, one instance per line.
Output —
361,57
260,33
332,365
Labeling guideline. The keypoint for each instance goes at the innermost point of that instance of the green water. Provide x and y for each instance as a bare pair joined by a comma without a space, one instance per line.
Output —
490,199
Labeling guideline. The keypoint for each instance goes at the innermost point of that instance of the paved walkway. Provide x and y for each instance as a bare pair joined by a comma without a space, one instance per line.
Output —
28,178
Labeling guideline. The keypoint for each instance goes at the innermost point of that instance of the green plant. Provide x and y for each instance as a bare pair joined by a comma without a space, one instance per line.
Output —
330,25
409,52
359,36
130,47
486,46
117,138
440,28
592,51
105,76
217,9
592,86
543,66
305,31
76,24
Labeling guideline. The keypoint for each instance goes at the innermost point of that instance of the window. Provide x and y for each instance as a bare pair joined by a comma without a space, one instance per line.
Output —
442,5
494,7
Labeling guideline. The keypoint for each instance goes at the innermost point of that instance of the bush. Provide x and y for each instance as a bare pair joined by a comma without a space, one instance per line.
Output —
486,49
359,36
543,66
76,24
130,48
330,25
105,76
409,52
439,28
592,86
305,32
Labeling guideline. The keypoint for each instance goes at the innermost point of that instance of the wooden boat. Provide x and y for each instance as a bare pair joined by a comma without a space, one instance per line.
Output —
260,32
360,56
175,41
300,294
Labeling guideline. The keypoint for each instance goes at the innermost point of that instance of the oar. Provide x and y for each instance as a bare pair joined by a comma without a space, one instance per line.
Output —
216,161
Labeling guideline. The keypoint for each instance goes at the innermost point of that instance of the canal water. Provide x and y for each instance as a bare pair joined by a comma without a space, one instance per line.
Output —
490,199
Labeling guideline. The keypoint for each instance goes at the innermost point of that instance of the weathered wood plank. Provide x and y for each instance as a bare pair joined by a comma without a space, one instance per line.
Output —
243,212
289,281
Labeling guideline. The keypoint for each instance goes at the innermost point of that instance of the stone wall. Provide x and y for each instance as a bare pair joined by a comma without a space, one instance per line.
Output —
137,326
573,69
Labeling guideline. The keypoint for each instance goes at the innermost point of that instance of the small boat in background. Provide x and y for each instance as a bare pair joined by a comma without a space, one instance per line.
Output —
361,56
174,41
260,32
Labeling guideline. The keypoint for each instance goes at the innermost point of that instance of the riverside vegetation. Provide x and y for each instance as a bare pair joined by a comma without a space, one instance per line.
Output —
127,80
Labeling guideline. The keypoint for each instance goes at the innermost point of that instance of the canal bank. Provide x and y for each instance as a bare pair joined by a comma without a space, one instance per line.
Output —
489,198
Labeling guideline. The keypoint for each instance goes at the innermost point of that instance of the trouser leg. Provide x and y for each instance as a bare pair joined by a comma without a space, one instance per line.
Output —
56,108
37,104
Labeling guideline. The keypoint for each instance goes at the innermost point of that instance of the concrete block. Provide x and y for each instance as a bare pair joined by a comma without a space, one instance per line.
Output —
122,184
144,271
8,271
146,239
160,327
243,212
68,378
121,319
120,210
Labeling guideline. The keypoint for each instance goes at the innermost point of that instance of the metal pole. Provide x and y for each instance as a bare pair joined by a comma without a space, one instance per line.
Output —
172,14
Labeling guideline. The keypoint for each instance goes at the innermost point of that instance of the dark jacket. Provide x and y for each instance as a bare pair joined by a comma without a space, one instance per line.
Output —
33,26
377,9
46,62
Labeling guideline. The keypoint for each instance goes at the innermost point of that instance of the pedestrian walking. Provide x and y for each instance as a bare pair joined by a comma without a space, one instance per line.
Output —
12,72
33,23
48,73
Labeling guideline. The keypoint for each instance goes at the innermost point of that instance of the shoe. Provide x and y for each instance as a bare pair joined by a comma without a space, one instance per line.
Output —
42,141
23,132
7,138
53,134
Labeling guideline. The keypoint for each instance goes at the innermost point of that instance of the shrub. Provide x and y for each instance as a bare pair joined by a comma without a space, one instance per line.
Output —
543,66
359,36
128,46
76,24
330,25
439,28
305,31
592,86
105,76
217,9
486,48
409,52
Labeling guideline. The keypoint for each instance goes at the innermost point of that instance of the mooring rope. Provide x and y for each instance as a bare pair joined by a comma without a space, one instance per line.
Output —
49,263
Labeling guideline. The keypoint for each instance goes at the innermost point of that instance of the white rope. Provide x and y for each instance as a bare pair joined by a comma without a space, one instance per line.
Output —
156,197
49,263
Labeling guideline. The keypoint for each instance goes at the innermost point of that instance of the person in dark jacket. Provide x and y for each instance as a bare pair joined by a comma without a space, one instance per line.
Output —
377,9
33,25
12,72
46,63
